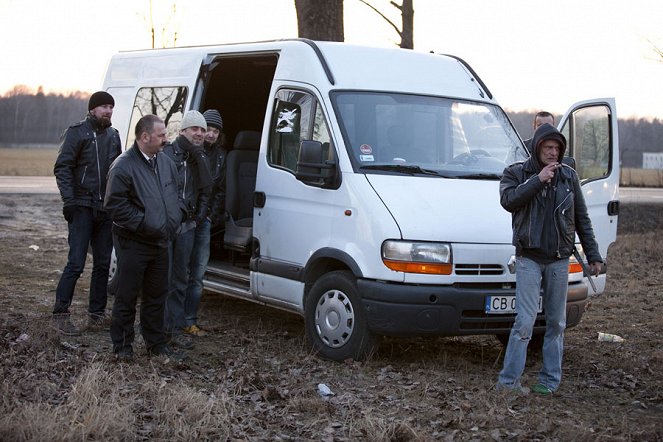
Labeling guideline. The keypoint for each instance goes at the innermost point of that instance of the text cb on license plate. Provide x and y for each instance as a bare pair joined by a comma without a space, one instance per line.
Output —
505,304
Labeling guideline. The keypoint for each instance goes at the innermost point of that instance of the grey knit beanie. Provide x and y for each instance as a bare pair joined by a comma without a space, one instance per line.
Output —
193,118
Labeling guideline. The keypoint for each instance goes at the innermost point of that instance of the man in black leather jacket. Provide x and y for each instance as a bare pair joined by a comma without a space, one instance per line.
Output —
548,208
88,148
196,183
144,202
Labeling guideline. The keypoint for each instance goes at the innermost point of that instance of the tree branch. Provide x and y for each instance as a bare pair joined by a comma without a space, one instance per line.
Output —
398,31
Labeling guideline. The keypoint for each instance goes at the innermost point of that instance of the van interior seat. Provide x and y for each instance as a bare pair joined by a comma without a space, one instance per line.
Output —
241,167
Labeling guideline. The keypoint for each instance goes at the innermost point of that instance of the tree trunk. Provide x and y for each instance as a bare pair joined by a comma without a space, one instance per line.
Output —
407,34
320,19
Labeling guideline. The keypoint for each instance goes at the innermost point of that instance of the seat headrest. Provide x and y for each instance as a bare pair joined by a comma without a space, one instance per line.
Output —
247,140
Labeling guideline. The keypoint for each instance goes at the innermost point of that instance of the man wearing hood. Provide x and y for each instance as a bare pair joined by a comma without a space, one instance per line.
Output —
188,153
88,148
548,208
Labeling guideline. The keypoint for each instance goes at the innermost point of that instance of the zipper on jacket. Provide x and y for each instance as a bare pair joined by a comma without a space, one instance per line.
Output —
96,146
84,173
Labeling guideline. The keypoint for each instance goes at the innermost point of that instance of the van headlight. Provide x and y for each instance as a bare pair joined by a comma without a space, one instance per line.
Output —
574,265
417,257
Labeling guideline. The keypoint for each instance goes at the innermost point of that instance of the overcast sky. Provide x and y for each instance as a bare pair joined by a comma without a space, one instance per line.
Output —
530,56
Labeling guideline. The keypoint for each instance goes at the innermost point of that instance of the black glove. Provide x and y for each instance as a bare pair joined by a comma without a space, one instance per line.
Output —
68,212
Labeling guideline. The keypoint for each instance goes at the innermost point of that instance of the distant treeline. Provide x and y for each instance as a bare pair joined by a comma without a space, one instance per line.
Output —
38,118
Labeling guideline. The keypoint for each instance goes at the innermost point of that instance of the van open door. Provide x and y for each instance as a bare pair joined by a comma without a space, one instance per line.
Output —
591,130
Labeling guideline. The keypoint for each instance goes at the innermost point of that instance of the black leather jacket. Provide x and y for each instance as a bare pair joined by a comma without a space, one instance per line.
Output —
85,155
521,193
194,177
217,161
144,203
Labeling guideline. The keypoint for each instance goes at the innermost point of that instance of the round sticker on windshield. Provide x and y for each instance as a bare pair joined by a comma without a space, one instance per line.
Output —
366,149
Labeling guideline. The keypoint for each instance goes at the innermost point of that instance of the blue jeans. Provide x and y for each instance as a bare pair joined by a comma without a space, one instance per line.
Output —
87,228
530,278
174,319
199,259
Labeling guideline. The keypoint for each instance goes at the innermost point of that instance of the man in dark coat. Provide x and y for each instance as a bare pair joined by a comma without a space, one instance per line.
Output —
143,200
88,148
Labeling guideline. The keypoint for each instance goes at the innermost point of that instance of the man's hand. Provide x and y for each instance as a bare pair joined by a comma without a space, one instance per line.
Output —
595,268
548,173
68,212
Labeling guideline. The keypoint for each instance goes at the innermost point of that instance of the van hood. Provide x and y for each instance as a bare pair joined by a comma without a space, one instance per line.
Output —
441,209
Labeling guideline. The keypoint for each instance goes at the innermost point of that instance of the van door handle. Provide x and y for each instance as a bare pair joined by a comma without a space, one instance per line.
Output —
613,208
259,199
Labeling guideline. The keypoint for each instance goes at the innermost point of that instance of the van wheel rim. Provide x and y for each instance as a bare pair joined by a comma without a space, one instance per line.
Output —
334,318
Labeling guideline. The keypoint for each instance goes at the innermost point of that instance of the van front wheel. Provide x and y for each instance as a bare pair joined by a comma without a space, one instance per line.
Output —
334,320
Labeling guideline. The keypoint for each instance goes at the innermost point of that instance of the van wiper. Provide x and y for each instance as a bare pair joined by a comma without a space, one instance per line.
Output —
401,168
480,176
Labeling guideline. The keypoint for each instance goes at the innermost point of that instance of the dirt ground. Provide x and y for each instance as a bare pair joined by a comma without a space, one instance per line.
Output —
253,378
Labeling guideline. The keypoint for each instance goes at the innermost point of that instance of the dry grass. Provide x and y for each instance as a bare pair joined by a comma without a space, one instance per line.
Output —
27,161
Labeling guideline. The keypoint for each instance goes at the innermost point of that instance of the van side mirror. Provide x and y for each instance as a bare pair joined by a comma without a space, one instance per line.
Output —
312,168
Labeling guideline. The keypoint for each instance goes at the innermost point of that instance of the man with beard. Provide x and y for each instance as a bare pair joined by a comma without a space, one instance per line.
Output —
143,200
86,153
216,155
188,153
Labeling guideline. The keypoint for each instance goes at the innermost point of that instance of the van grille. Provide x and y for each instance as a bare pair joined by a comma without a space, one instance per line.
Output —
479,269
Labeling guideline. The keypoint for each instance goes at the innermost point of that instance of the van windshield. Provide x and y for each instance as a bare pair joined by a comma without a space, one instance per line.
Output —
421,135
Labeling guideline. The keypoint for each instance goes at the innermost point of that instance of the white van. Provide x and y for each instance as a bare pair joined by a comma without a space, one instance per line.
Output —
363,184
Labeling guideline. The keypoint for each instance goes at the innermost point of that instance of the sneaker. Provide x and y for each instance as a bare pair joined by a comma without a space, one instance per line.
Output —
519,390
62,323
542,390
194,330
125,354
181,341
167,352
99,322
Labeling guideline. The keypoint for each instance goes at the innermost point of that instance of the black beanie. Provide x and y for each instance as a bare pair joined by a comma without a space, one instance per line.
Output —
99,99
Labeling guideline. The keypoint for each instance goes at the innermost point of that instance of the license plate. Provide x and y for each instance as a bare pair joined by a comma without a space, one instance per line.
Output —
497,305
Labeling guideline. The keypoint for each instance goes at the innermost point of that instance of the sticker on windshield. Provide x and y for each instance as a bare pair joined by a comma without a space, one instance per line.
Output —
366,153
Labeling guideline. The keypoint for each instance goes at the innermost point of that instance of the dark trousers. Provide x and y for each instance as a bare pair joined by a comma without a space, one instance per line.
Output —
87,228
142,270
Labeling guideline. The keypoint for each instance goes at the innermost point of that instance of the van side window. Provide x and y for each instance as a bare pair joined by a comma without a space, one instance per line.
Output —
165,102
297,117
590,145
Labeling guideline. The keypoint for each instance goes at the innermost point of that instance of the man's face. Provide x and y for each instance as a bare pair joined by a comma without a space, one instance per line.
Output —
212,134
195,135
156,140
103,113
538,121
549,152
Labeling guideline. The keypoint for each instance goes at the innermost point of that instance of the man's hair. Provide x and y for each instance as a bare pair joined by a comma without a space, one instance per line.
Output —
544,114
146,124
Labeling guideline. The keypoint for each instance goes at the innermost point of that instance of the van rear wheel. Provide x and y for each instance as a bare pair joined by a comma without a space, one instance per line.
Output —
336,327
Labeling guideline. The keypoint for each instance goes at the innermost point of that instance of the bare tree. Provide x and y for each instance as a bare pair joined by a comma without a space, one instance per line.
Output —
320,20
165,27
406,32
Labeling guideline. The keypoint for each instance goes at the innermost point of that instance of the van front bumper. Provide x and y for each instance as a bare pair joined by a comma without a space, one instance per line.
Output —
418,310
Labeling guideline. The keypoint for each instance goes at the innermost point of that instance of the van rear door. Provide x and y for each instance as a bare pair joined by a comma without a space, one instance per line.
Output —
591,130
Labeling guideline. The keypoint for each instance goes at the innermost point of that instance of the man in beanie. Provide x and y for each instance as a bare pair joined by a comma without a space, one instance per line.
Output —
548,208
88,148
216,153
188,153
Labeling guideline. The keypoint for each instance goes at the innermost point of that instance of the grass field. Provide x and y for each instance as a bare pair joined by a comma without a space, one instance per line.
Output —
27,161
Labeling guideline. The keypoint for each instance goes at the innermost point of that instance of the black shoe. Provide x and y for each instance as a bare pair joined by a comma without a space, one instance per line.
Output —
62,323
181,341
167,352
125,354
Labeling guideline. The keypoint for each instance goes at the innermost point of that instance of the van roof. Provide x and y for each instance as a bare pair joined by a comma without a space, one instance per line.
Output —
327,65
